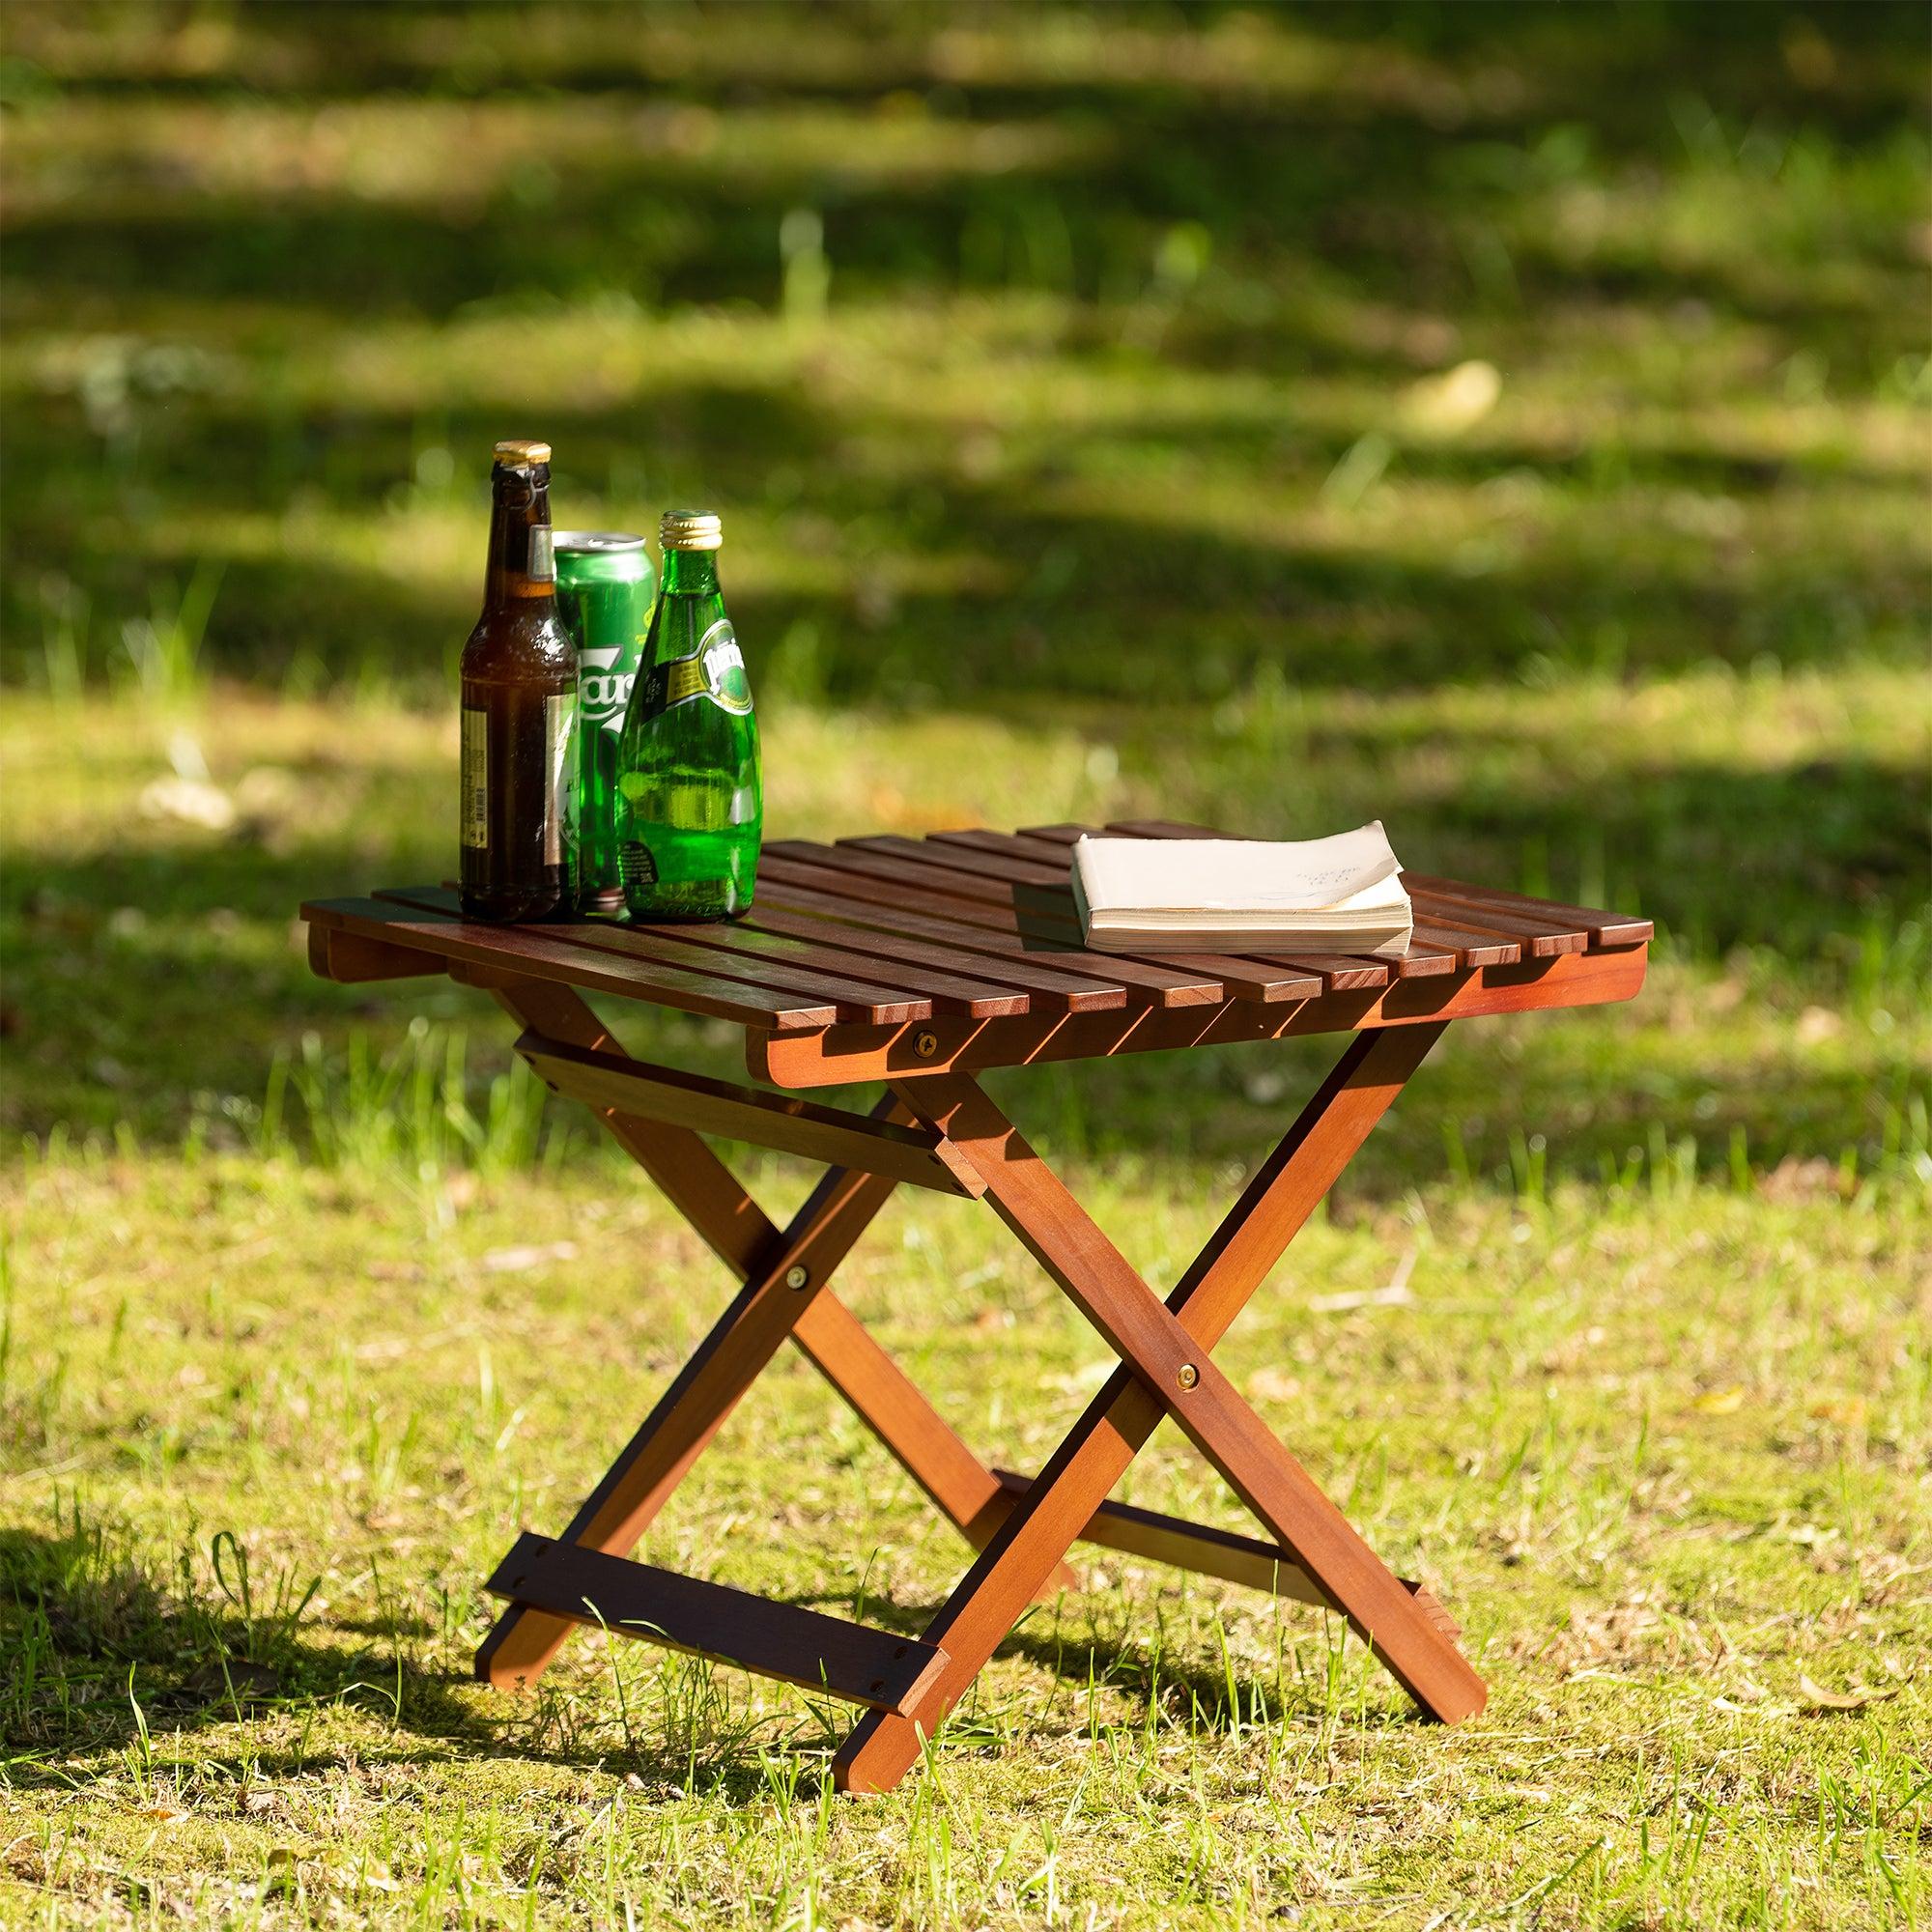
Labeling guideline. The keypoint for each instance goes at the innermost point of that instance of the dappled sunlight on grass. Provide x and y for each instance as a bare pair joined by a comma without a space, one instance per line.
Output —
1512,423
1668,1480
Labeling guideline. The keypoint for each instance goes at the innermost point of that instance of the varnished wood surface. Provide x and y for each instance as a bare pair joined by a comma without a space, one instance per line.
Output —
880,955
919,961
634,1088
702,1189
1069,1492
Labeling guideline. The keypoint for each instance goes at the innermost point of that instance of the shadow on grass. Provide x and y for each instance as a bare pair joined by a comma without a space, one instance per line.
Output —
1070,602
1366,185
102,1658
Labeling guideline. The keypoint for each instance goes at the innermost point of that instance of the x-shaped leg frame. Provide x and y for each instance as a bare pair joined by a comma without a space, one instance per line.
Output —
1165,1370
1022,1530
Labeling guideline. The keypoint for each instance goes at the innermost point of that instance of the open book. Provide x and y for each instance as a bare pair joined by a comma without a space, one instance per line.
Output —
1339,895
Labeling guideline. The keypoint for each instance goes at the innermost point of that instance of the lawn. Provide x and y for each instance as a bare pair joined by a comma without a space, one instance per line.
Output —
1511,423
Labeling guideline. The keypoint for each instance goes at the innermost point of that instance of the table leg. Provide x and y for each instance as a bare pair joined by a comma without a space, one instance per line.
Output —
693,1410
767,1310
1096,1453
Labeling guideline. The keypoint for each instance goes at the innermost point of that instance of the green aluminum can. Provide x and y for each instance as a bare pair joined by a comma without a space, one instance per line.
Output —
603,585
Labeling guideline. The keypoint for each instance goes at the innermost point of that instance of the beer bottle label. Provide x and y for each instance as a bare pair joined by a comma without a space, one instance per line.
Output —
713,671
543,555
475,762
559,732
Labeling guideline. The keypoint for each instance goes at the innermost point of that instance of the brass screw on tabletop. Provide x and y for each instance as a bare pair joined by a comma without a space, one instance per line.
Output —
927,1045
1189,1375
797,1275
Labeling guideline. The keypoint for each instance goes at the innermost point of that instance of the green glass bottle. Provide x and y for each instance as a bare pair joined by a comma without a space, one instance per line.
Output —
690,803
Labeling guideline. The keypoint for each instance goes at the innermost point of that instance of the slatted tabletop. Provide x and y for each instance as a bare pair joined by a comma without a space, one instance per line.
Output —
967,943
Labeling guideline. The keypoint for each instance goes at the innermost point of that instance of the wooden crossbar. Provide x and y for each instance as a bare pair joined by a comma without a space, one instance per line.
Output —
863,1665
1225,1553
706,1106
1189,1545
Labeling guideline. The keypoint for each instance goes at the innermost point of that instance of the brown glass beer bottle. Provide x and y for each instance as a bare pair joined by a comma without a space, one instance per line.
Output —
518,710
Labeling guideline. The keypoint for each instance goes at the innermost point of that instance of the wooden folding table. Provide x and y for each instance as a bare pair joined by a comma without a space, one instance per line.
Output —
918,962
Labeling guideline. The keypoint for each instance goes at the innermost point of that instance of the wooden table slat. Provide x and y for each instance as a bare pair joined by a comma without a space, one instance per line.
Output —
878,933
1042,896
1470,949
1537,937
941,973
1605,928
1340,972
990,855
852,999
980,903
835,897
540,953
1425,958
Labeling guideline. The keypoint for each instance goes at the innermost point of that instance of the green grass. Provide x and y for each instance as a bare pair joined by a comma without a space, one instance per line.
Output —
1509,423
1665,1452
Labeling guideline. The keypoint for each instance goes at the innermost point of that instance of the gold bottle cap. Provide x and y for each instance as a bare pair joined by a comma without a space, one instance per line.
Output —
517,450
689,529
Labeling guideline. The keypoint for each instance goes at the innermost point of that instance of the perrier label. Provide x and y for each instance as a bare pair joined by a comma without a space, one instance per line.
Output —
689,805
715,671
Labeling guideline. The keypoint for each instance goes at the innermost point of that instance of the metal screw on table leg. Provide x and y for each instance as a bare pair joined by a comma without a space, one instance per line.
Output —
1188,1376
927,1045
797,1275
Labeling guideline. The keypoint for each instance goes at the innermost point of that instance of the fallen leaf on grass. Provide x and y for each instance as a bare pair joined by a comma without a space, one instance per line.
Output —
1392,1296
1850,1410
1721,1401
1081,1382
1395,1295
1818,1699
515,1260
1273,1385
188,802
1795,1181
1455,401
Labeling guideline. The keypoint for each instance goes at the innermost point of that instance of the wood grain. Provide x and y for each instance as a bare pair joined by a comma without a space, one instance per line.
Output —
973,901
997,872
534,953
1053,986
611,1081
704,1190
840,1053
1178,1374
755,960
1069,1492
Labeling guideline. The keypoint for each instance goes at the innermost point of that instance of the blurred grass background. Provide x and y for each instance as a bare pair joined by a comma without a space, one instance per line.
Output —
1509,421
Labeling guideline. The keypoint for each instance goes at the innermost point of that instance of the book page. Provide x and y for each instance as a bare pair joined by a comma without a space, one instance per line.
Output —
1233,874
